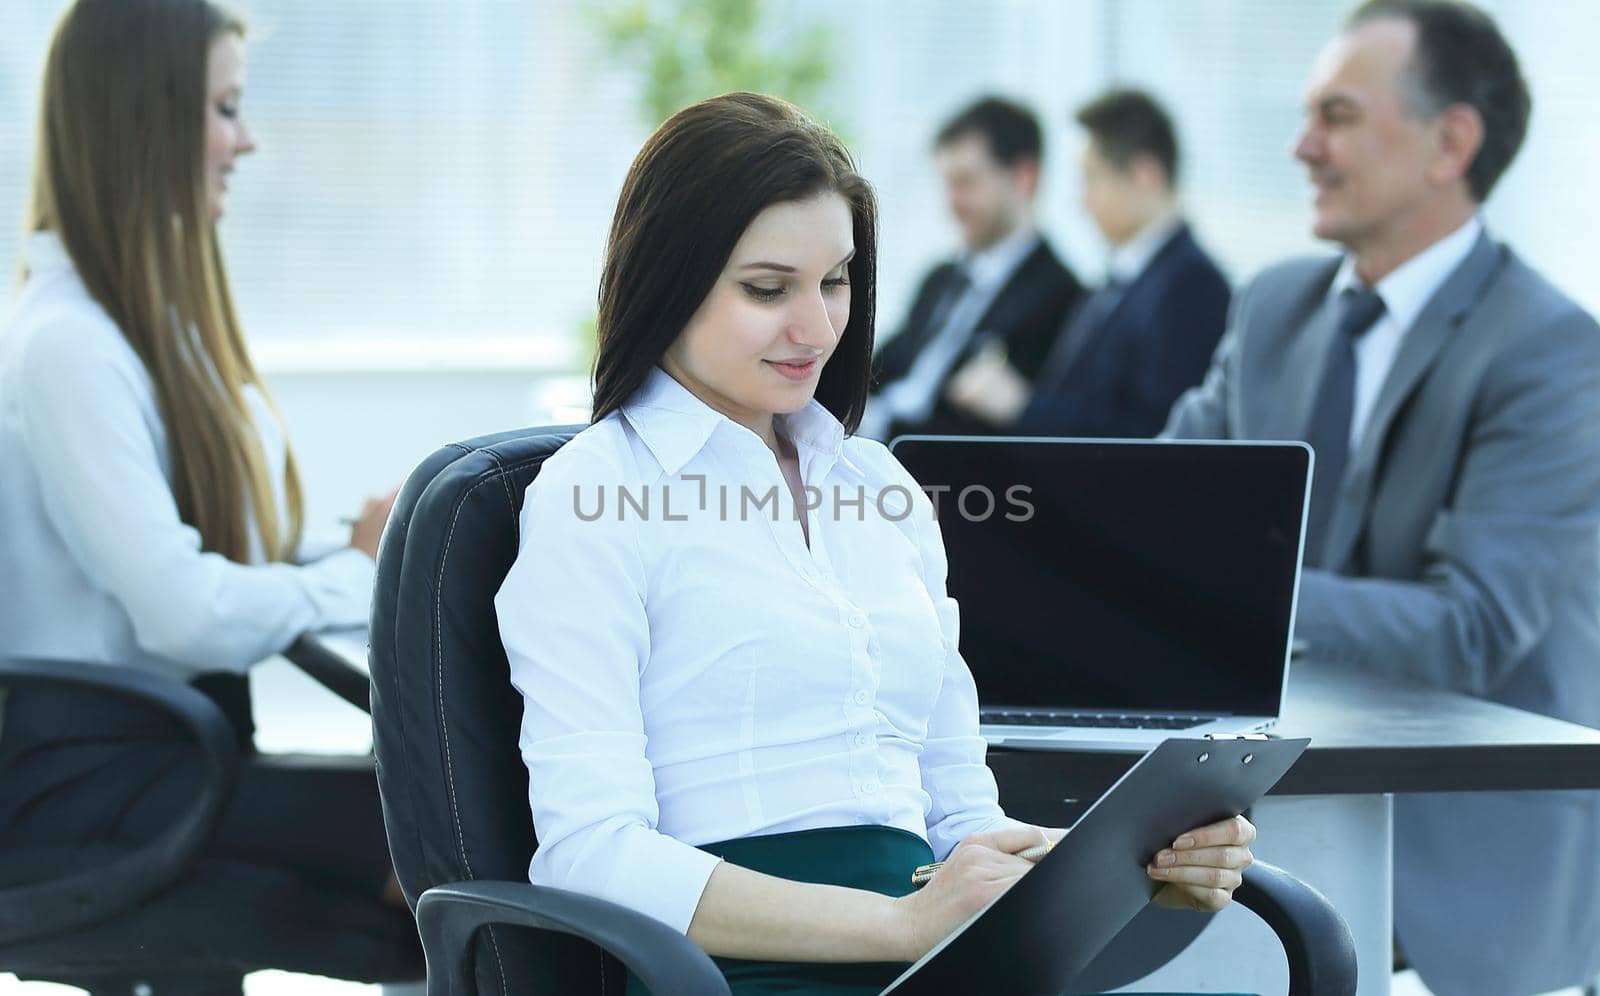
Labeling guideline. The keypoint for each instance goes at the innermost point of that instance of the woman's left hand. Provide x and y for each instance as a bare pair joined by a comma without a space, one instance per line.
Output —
1203,867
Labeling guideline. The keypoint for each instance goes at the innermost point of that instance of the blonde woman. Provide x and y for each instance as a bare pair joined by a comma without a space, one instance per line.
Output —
150,511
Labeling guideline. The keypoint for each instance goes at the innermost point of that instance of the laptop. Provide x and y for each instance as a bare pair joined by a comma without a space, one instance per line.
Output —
1116,593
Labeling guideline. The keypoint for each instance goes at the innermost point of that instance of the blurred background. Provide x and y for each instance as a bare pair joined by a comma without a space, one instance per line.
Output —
415,247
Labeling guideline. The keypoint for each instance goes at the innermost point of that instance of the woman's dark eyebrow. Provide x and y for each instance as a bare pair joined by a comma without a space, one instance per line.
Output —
784,268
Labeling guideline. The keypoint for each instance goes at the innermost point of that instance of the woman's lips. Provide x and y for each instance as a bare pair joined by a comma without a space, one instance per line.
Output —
795,369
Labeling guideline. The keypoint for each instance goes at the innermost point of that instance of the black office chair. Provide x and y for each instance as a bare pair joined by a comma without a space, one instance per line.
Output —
445,729
161,919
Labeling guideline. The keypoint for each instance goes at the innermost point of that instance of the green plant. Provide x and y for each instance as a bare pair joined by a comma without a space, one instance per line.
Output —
688,50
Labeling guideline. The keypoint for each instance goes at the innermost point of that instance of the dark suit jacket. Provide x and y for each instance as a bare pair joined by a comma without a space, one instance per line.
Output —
1463,554
1026,314
1154,343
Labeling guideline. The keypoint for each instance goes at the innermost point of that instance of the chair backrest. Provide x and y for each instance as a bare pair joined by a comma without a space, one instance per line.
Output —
445,717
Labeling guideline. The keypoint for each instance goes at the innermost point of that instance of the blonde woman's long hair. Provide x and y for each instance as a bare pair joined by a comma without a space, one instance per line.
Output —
120,179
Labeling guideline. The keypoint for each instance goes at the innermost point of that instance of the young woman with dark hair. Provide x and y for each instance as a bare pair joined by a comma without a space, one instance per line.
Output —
745,713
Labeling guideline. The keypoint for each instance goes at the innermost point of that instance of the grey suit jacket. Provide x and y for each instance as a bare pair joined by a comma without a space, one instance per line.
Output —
1464,554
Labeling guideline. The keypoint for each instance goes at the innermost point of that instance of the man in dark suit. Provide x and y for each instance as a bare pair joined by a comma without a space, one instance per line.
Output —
1007,291
1452,396
1148,334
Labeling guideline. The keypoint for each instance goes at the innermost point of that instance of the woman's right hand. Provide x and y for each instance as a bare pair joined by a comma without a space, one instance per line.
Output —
368,530
980,868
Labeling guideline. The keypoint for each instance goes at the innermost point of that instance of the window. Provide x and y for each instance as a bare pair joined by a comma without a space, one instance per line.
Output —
444,173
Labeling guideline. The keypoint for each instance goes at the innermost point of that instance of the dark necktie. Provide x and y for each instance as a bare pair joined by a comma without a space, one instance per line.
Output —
1080,328
1329,431
958,284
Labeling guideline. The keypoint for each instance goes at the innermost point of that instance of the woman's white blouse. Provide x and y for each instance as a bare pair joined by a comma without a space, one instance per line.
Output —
95,564
692,672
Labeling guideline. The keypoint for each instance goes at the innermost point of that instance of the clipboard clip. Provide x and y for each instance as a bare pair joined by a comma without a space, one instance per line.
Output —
1237,736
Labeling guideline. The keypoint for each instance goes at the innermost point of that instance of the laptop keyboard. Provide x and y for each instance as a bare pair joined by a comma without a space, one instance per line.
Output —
1089,719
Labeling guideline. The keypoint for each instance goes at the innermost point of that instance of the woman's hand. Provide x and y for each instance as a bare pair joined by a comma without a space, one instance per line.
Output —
1203,867
980,868
368,530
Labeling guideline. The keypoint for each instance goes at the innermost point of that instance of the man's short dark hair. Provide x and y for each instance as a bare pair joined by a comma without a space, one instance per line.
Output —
1127,123
1011,129
1462,58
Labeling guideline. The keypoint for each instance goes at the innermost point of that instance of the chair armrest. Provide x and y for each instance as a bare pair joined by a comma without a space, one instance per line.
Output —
666,961
40,909
1321,952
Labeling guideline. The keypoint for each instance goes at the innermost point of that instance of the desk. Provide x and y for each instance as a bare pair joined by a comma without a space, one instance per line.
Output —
1330,821
337,659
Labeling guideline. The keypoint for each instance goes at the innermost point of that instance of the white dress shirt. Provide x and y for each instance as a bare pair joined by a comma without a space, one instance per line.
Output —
1405,292
912,398
1130,259
95,564
697,673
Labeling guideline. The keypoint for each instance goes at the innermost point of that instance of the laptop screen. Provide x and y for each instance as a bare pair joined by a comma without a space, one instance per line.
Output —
1139,576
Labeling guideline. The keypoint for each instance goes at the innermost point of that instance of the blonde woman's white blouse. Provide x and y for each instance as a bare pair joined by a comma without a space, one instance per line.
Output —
95,564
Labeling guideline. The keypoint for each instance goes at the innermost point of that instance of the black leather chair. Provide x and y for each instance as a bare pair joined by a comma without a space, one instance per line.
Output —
445,730
163,919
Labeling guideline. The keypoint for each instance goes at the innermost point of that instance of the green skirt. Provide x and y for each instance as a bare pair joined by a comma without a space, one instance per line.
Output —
878,859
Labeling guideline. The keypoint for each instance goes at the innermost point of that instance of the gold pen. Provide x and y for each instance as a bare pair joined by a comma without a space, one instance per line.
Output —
923,873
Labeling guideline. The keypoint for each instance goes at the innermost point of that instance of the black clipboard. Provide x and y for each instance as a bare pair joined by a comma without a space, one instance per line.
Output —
1048,927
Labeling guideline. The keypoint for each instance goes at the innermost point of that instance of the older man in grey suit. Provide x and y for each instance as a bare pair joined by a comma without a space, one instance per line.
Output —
1453,399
